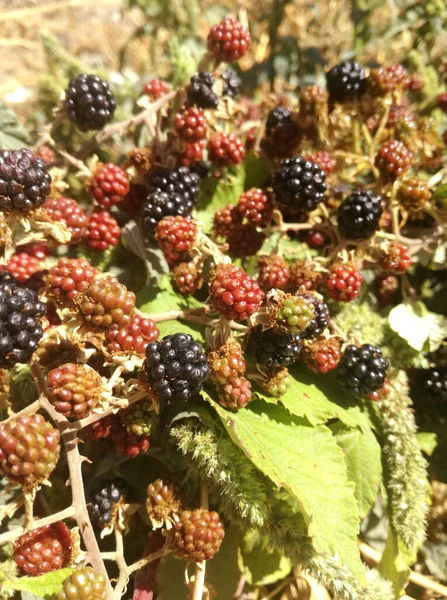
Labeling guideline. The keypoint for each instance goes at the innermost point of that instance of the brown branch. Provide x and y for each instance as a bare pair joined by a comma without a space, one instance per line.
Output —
30,409
123,577
67,513
122,126
185,315
139,564
418,579
74,460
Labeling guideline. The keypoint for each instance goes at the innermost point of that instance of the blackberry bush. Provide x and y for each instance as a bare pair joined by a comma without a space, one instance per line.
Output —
24,181
104,502
299,184
362,370
89,102
43,550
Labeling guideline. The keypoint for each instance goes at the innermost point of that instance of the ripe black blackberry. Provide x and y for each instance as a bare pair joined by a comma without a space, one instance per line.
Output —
273,349
104,502
232,83
359,215
434,382
24,181
159,205
89,102
346,81
175,367
277,117
299,184
321,320
7,277
20,324
200,92
182,181
362,369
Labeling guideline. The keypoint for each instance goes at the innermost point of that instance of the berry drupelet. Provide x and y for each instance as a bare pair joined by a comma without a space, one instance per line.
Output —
358,216
103,231
226,150
273,349
395,259
21,315
181,181
393,159
175,367
69,277
200,91
24,181
74,389
84,584
227,372
322,355
299,185
362,369
232,83
234,293
70,213
104,502
29,449
106,303
89,102
109,185
198,534
346,81
321,319
343,282
133,338
43,550
229,40
191,124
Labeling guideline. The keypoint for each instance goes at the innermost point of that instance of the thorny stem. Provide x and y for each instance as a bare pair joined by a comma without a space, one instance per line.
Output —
67,513
199,579
123,577
30,496
74,461
136,566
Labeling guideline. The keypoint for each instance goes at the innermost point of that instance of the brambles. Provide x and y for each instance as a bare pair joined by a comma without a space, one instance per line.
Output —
133,338
84,584
109,185
102,232
358,216
234,293
273,349
175,367
104,502
200,90
343,283
69,212
162,503
186,278
24,181
394,159
29,449
191,124
176,236
229,40
346,81
225,150
299,184
89,102
74,390
362,370
198,534
68,278
106,303
294,313
43,550
21,329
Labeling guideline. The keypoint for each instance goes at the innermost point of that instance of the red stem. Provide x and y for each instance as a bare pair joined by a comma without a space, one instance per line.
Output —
145,578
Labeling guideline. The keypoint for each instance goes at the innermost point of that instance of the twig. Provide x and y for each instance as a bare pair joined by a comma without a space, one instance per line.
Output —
30,409
67,513
417,578
284,583
74,460
186,315
136,566
122,126
30,496
123,577
199,579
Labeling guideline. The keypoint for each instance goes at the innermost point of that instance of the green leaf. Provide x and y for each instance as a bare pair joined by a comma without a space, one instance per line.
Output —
422,329
222,572
216,194
257,171
319,403
12,133
428,440
261,565
309,464
45,586
363,461
441,192
395,562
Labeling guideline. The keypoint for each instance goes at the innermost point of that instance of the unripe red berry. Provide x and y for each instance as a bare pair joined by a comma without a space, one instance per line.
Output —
109,185
229,40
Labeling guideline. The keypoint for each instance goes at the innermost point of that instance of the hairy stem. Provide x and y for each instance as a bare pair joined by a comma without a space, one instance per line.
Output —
67,513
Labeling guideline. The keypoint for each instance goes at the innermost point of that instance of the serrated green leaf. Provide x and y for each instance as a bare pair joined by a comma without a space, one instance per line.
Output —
421,328
363,460
45,586
428,440
222,572
261,565
13,135
395,563
318,399
309,464
216,194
